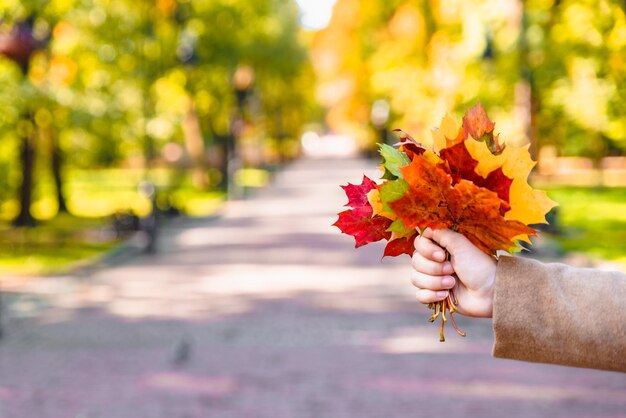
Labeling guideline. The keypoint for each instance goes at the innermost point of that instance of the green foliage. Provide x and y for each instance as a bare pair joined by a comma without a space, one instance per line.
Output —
117,80
593,221
393,159
399,228
391,191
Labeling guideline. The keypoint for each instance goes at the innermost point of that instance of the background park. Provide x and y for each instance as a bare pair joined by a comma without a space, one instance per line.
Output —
170,169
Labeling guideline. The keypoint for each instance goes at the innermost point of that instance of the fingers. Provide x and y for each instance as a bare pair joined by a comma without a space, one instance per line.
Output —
428,249
431,275
425,265
428,296
425,281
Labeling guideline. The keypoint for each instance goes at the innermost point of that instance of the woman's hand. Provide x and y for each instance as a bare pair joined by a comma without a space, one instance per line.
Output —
434,275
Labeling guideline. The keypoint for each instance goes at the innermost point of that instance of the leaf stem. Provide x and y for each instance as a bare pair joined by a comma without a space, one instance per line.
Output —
456,328
449,303
437,308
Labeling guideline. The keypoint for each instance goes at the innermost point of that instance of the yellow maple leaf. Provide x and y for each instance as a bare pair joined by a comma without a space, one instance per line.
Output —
528,205
431,157
373,197
515,161
446,133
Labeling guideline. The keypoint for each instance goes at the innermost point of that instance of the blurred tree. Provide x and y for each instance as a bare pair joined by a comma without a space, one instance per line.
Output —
547,70
18,44
123,79
263,36
576,58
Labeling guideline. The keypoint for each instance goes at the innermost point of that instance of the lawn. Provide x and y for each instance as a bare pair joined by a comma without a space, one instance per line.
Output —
60,242
54,246
593,221
103,192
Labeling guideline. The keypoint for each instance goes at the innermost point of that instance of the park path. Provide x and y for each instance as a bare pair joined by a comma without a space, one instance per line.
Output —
266,311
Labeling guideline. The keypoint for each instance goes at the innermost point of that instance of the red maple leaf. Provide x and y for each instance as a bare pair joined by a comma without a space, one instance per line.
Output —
360,221
459,163
400,246
357,194
364,227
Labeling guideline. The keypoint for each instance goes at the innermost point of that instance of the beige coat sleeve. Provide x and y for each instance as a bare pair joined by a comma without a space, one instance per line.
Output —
553,313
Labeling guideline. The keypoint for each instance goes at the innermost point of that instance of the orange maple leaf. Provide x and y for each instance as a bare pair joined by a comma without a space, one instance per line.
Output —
476,214
424,204
476,123
432,202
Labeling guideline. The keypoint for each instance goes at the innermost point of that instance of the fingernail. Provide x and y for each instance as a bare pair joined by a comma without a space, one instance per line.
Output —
442,294
447,268
439,255
447,281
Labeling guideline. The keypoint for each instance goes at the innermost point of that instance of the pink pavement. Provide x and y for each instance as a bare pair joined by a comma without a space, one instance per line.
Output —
266,312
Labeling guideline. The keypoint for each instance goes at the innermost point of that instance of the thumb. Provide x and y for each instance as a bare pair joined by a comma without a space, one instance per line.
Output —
450,240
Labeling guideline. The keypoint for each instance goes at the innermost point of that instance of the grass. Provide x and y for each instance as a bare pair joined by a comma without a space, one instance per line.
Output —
58,243
53,246
593,221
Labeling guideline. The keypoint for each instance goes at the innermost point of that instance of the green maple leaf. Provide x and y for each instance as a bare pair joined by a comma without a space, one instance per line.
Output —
400,229
388,176
393,159
391,191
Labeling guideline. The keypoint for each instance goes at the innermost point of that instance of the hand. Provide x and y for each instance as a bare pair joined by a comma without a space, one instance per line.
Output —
433,275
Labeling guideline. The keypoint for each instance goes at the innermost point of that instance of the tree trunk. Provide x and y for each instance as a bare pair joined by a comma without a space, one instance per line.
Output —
25,218
195,146
56,165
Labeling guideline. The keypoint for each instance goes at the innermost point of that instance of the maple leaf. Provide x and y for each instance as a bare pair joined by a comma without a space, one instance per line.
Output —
373,197
477,125
432,202
401,246
527,205
514,161
360,221
475,213
424,203
389,191
364,227
408,145
393,159
357,194
459,163
497,182
399,230
447,134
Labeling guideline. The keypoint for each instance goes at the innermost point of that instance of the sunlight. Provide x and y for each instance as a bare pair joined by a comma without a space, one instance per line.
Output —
316,14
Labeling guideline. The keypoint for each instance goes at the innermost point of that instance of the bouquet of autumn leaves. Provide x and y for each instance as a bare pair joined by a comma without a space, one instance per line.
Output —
468,181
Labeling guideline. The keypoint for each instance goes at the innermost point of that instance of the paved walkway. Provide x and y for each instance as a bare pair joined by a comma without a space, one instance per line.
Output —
267,312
